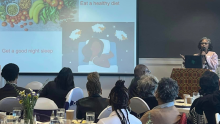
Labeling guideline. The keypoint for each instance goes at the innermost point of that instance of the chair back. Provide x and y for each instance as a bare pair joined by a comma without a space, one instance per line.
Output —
74,95
105,113
183,119
217,118
35,85
138,105
45,104
8,103
43,109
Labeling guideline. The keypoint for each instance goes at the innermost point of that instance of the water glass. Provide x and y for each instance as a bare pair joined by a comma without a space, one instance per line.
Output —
16,112
90,117
196,95
61,113
55,121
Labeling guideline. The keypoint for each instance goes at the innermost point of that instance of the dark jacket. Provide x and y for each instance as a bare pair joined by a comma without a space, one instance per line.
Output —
55,93
151,102
132,89
9,91
93,103
209,104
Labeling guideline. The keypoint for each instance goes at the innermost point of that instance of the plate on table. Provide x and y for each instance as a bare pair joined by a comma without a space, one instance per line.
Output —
182,105
179,101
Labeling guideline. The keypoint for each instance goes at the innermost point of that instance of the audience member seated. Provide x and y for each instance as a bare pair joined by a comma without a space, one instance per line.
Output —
58,89
138,72
119,100
93,103
165,112
10,74
147,86
209,102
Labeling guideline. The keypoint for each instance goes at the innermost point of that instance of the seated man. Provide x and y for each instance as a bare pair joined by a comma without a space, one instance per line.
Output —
138,72
165,112
93,103
209,102
10,74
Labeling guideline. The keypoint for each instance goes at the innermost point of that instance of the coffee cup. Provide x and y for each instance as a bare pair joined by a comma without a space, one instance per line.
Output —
69,114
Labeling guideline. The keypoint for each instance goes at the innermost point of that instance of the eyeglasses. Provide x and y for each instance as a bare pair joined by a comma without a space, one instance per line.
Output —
204,43
148,71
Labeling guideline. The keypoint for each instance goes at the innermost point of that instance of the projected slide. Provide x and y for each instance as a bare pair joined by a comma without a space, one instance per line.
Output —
42,36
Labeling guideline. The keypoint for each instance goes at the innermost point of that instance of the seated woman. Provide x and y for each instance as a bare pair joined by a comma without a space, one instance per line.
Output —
147,86
58,89
10,74
119,100
93,103
209,102
165,112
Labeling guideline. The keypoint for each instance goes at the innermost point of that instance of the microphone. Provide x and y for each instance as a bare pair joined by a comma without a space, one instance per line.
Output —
203,49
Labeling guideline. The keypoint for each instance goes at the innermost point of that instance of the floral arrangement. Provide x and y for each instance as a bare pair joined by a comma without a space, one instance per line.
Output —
28,101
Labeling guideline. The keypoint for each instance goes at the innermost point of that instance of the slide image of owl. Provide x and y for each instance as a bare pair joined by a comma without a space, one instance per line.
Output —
98,28
121,35
75,34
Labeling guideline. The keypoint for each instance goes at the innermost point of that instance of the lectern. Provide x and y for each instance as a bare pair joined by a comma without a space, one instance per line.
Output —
187,79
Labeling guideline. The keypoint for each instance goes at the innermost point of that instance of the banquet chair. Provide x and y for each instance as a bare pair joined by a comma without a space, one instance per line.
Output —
142,106
8,103
74,95
43,109
217,118
105,113
35,85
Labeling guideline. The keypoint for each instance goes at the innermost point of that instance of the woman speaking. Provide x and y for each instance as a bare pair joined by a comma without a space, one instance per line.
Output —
209,58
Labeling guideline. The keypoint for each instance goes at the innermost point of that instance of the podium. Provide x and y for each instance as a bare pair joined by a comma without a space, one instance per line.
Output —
187,79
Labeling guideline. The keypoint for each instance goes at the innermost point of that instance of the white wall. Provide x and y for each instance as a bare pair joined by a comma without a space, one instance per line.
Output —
160,67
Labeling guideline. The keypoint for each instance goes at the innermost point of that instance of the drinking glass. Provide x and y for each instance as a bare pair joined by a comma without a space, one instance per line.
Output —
90,117
55,121
16,112
61,113
195,95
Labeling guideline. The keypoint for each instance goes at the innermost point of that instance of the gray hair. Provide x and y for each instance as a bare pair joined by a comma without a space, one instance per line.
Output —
205,38
147,85
168,90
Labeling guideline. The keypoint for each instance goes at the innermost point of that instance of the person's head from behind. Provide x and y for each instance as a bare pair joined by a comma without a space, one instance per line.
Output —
93,48
167,90
209,83
65,79
10,73
93,85
205,42
147,86
119,99
141,70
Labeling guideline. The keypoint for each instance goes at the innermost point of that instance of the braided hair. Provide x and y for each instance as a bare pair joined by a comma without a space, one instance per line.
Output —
93,85
119,100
